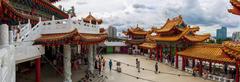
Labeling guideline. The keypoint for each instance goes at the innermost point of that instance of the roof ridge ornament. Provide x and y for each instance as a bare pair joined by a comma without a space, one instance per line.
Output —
90,13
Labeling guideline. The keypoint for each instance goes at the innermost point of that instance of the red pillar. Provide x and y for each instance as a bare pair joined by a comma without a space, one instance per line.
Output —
183,63
38,69
156,55
150,53
176,57
237,72
161,54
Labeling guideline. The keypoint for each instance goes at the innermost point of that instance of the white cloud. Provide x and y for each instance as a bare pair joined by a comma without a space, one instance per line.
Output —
208,14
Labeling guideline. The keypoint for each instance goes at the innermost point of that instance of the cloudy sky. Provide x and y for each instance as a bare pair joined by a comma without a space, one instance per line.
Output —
208,14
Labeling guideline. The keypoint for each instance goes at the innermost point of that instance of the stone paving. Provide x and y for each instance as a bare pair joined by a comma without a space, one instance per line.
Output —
167,73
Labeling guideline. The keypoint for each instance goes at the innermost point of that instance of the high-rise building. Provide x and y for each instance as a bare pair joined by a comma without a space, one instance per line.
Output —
236,36
112,32
222,33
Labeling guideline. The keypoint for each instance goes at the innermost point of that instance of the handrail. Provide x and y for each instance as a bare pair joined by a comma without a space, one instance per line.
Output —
33,29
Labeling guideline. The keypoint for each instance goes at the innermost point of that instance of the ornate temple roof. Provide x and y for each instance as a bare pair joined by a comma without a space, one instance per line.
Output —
170,24
236,7
187,33
22,10
148,45
136,31
73,37
207,52
174,30
92,20
232,49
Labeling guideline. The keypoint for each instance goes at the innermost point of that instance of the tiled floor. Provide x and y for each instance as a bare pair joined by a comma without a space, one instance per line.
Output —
168,74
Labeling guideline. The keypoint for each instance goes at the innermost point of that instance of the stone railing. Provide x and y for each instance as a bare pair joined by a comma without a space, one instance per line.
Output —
66,25
7,64
29,33
24,30
212,77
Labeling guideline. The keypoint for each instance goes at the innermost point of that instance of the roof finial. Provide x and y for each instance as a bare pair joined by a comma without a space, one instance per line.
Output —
90,13
137,25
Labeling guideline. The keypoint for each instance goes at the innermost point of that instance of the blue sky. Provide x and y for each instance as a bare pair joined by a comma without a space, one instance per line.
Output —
208,14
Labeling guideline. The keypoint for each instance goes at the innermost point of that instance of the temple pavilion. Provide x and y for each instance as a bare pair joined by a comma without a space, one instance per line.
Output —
172,37
176,39
136,36
73,44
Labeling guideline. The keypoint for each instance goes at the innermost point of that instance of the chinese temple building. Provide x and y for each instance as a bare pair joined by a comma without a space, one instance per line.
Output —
45,31
175,39
74,41
92,20
15,11
174,36
136,36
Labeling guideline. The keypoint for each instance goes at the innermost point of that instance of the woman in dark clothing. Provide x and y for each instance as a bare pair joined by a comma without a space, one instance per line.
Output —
156,67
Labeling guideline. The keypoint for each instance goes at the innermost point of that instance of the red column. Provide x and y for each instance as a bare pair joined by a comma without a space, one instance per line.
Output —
183,63
237,72
161,54
156,55
38,69
176,57
150,53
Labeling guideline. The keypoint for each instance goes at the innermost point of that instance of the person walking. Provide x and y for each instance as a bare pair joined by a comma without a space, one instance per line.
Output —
103,63
156,67
137,63
110,65
99,66
138,66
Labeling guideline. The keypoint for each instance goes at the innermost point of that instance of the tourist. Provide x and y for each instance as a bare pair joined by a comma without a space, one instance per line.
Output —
194,71
103,63
138,65
110,65
85,60
96,64
205,74
156,67
99,66
172,60
136,62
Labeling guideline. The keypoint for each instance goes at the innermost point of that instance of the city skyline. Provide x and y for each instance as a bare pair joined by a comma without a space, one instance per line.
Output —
209,15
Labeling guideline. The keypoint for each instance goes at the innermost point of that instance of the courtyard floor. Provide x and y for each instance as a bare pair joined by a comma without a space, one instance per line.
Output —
129,73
